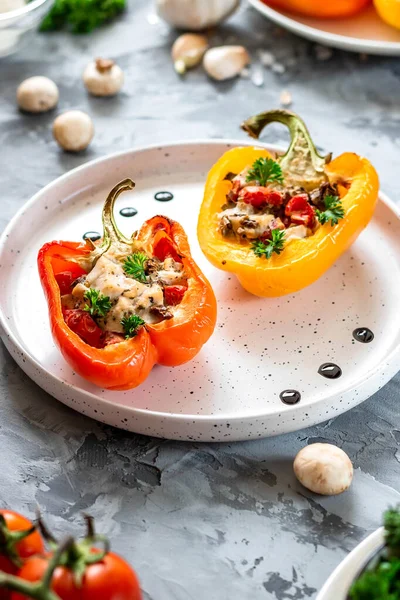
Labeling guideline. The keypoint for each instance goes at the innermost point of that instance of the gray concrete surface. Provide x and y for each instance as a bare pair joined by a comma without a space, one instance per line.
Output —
213,522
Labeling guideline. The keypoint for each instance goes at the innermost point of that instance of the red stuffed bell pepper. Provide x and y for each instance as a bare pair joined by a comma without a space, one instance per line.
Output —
119,307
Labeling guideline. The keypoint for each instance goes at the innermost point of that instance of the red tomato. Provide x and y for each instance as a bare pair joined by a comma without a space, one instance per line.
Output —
110,579
84,325
173,294
32,544
164,249
258,196
300,210
66,272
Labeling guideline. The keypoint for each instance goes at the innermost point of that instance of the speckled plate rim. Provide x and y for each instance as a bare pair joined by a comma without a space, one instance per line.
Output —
145,419
338,584
352,44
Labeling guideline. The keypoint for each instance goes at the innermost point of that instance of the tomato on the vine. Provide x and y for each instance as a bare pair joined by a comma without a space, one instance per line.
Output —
16,544
109,579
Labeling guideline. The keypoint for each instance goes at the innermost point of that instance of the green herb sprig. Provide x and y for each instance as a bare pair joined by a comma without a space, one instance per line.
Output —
269,247
134,266
97,305
333,211
265,170
131,325
81,16
381,579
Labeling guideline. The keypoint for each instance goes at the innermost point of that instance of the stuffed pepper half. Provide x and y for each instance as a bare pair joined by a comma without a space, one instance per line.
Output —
279,222
119,307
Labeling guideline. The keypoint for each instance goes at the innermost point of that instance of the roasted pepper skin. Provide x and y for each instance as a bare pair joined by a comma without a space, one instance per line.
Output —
302,261
389,11
127,364
328,9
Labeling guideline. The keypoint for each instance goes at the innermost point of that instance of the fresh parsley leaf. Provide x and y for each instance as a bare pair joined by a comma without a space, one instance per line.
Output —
131,325
265,170
333,211
381,578
97,305
134,266
81,16
392,529
267,248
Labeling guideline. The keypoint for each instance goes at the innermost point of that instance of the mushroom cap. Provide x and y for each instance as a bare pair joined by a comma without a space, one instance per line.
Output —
73,130
37,94
101,81
324,469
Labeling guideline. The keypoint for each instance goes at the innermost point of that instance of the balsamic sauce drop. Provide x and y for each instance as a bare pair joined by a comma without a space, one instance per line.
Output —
330,371
290,396
363,335
163,196
92,235
129,211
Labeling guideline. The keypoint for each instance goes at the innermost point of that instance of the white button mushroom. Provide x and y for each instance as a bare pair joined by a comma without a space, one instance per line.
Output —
324,469
73,130
187,51
37,94
102,77
225,62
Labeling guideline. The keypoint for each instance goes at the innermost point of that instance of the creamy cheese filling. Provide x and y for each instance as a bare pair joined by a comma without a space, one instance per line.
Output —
127,295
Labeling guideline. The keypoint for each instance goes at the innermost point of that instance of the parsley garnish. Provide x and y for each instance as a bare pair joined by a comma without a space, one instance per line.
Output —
380,579
265,170
134,266
392,529
131,325
81,16
97,304
333,211
267,248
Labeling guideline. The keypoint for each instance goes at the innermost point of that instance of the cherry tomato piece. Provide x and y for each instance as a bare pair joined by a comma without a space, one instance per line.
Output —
173,294
29,546
81,323
66,272
164,249
300,210
109,579
259,196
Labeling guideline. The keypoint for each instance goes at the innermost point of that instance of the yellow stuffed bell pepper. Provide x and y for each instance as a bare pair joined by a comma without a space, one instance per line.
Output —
279,222
389,11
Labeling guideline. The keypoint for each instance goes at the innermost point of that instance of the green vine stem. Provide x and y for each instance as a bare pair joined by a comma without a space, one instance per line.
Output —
40,590
302,161
9,540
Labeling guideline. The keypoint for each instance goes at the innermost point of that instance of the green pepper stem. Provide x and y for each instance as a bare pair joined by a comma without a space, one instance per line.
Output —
301,144
112,234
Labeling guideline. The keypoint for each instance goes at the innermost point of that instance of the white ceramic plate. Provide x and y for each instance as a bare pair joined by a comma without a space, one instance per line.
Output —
260,347
365,32
338,584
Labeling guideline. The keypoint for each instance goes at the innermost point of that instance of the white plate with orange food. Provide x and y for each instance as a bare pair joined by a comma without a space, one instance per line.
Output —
363,32
272,364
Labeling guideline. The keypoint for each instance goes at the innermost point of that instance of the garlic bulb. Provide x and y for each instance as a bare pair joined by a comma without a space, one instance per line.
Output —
225,62
188,50
195,15
323,469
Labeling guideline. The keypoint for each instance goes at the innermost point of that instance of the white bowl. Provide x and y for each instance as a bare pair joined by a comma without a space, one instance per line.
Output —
18,26
339,583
